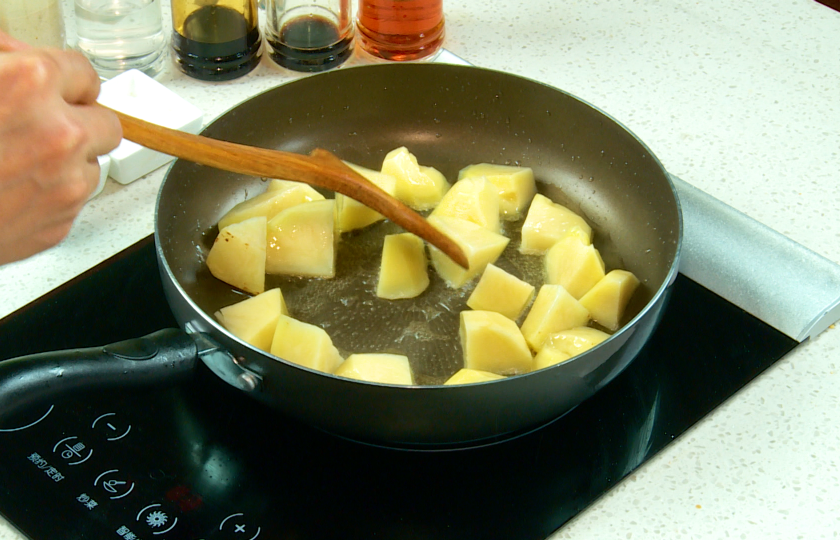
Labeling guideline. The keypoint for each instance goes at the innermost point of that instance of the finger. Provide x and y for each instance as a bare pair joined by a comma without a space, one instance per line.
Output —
48,149
65,74
77,82
10,44
66,197
42,217
36,241
104,126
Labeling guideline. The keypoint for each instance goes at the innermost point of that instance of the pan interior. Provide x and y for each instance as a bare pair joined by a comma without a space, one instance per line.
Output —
449,117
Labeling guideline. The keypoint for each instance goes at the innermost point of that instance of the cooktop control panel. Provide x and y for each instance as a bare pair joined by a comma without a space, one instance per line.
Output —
96,468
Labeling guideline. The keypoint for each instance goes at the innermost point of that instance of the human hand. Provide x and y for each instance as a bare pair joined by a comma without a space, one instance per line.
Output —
51,132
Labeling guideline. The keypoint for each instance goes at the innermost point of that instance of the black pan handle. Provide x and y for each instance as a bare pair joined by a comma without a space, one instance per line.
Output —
165,356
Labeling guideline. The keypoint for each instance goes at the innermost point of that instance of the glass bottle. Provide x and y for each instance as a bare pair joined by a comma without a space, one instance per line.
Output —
400,29
119,35
309,35
39,23
215,40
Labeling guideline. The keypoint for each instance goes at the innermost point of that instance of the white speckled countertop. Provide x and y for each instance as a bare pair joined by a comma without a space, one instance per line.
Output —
740,99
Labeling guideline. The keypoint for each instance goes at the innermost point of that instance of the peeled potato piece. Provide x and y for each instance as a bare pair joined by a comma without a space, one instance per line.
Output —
404,269
568,343
546,223
377,367
515,185
574,264
576,340
301,240
277,184
472,199
238,255
554,310
549,356
501,292
254,319
304,344
350,213
607,299
417,186
481,247
492,342
471,376
281,194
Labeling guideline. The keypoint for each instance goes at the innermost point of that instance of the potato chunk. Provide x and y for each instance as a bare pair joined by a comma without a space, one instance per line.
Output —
280,195
574,264
492,342
501,292
254,319
304,344
607,300
276,184
403,272
554,310
481,247
378,368
238,255
417,186
567,344
472,376
301,240
515,185
549,356
350,213
472,199
574,341
546,223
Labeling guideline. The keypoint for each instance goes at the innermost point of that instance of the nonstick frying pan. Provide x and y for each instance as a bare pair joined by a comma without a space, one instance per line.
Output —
449,117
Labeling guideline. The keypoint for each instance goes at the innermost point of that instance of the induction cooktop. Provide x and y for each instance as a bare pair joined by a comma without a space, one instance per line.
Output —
200,460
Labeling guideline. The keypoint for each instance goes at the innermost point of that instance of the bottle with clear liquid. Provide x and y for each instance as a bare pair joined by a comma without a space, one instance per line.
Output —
39,23
119,35
216,40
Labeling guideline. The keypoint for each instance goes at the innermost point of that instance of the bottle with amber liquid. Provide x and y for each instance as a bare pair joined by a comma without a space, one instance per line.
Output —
216,40
400,29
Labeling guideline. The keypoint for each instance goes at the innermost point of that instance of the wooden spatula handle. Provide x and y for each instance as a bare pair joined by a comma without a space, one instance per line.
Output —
321,169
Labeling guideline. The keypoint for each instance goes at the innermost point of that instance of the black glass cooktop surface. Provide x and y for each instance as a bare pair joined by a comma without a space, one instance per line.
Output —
202,461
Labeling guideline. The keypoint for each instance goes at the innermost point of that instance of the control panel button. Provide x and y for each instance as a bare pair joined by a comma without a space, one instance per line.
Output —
110,426
156,519
114,484
239,527
73,450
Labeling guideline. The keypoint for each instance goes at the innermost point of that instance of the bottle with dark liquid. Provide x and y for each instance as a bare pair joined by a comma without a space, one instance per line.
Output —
309,35
215,40
400,29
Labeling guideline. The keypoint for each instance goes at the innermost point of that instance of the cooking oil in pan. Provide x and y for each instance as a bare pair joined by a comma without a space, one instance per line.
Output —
424,328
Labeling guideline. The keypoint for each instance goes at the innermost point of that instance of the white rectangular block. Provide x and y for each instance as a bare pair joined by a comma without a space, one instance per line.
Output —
104,170
138,95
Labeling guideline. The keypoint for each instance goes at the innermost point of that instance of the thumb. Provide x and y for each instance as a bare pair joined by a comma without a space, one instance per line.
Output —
10,44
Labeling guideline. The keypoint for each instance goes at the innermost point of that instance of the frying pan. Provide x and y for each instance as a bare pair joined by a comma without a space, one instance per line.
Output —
449,117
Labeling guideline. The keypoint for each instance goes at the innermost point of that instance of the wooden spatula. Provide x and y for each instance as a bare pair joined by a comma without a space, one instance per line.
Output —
321,168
